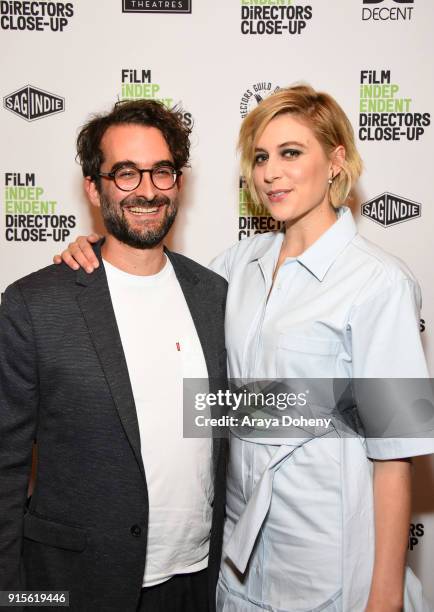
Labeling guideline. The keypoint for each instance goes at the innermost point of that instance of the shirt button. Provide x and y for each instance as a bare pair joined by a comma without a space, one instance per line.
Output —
136,531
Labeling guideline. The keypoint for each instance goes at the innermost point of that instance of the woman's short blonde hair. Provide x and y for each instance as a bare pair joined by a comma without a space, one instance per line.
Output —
326,119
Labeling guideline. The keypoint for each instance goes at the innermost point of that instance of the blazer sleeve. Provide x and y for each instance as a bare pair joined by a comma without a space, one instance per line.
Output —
19,397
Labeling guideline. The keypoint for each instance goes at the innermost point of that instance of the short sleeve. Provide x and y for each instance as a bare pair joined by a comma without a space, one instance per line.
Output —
222,263
391,380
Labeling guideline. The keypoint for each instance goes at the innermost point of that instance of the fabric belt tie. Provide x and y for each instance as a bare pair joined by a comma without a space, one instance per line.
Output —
241,542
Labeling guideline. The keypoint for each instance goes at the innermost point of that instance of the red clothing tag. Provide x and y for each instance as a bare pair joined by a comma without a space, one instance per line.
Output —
178,346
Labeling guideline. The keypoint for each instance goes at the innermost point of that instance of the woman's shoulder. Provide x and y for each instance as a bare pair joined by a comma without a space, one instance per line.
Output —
391,267
381,270
242,252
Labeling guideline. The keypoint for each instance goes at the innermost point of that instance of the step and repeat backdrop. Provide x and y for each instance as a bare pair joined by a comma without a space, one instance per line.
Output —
217,59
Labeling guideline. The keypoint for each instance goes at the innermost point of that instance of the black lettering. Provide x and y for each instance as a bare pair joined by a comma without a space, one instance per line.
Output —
419,530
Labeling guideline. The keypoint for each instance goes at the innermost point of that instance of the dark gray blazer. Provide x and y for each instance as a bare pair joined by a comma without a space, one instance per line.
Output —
64,382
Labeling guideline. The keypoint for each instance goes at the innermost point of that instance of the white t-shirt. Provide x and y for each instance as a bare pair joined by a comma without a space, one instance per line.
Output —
161,348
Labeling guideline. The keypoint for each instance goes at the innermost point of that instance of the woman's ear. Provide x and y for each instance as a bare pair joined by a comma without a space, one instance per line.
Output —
337,160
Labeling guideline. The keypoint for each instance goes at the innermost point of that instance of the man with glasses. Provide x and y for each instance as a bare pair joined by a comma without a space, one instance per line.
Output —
126,514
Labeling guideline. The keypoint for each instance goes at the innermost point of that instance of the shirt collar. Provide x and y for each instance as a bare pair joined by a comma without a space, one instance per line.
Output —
319,257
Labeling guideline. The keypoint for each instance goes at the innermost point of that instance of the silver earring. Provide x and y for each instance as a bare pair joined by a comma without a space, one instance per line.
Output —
331,180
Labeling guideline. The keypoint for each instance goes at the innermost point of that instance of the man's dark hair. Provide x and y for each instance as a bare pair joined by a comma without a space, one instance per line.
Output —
149,113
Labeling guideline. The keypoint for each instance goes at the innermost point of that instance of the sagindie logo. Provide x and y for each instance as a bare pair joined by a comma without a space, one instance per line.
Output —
137,84
156,6
390,12
254,95
29,215
35,16
389,209
32,103
273,17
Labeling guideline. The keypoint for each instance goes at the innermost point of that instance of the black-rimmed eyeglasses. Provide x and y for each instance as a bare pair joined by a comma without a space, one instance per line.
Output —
129,178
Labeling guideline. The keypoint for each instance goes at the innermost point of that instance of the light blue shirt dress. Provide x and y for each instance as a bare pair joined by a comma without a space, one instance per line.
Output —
299,533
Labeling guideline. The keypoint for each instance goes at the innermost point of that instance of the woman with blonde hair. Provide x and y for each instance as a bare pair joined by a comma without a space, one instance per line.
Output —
316,522
310,525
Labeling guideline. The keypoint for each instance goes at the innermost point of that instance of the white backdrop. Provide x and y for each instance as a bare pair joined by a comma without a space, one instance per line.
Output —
84,55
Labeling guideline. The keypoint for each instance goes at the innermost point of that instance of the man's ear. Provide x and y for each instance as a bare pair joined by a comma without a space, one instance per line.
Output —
180,182
92,192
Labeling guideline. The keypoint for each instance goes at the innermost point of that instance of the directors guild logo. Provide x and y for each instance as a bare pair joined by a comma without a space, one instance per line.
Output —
156,6
254,96
31,103
389,209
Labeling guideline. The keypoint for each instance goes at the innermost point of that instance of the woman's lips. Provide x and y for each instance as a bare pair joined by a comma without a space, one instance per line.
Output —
277,195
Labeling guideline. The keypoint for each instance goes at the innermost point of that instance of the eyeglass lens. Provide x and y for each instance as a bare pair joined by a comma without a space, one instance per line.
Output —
163,177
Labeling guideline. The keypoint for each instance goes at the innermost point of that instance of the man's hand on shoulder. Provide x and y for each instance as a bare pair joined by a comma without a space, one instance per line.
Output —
79,254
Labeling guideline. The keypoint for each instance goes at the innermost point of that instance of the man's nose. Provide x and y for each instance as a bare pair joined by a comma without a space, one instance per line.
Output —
146,188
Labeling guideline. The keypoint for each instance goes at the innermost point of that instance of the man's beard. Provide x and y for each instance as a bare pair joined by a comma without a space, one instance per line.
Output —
117,225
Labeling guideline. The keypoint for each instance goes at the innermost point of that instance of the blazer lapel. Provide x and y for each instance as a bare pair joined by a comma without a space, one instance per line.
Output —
201,307
97,309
